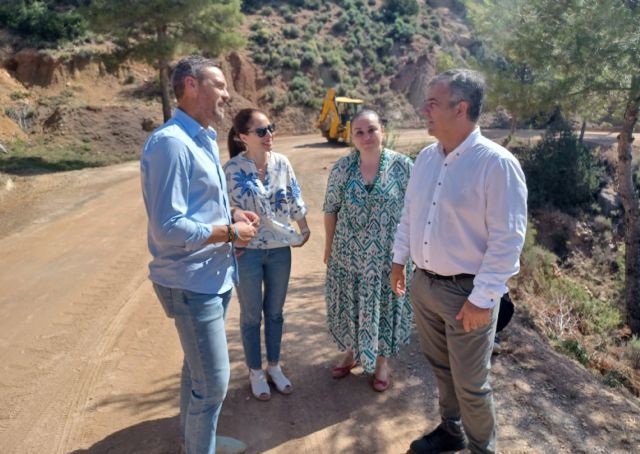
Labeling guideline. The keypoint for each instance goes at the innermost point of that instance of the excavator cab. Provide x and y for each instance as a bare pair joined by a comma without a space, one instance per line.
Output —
335,118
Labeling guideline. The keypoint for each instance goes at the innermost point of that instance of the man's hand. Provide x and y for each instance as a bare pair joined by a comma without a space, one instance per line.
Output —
473,317
398,283
246,216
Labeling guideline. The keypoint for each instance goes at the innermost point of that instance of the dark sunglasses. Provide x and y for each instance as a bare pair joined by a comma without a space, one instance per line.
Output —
261,132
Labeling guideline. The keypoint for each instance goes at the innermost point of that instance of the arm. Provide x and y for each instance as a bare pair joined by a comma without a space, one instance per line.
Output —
398,281
165,169
329,231
506,223
506,220
304,231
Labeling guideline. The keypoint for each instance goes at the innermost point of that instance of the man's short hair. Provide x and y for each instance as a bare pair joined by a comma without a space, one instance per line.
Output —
464,85
192,66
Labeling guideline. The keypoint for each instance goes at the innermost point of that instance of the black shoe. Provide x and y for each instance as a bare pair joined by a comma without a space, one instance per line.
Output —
442,439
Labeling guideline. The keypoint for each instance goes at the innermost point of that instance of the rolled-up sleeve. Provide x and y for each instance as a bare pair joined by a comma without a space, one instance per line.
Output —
506,222
297,207
165,185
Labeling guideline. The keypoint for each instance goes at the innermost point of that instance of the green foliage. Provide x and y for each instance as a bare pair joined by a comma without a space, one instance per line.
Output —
560,171
538,54
42,25
17,95
395,8
154,30
25,158
573,348
291,31
632,351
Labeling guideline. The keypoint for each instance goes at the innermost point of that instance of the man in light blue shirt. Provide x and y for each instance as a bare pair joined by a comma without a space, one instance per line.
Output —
191,235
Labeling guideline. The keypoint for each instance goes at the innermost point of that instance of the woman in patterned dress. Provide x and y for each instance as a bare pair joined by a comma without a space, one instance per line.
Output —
362,207
264,180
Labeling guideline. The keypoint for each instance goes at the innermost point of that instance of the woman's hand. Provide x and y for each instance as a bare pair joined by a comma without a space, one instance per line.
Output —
306,233
246,216
245,231
327,253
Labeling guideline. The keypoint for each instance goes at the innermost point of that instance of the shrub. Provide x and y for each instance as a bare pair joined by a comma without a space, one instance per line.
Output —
291,32
561,171
308,59
632,351
402,31
575,349
40,23
395,8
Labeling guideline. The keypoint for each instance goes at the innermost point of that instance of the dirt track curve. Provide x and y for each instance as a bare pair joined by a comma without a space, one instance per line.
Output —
91,365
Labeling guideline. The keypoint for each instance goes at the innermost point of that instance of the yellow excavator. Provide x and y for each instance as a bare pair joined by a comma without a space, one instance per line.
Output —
335,118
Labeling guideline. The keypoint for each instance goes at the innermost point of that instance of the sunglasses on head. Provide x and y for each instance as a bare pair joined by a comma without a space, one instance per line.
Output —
261,132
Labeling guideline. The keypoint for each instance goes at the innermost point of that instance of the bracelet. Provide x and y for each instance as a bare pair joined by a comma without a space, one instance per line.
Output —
232,233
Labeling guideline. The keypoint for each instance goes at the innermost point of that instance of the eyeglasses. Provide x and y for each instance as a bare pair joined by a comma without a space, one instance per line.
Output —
261,132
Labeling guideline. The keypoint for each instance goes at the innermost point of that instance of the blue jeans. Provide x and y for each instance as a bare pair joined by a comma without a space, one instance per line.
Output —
255,267
199,319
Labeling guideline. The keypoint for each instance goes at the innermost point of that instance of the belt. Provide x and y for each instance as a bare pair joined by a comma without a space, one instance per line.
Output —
454,277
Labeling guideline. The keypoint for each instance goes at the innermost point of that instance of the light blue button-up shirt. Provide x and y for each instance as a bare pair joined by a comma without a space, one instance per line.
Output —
185,194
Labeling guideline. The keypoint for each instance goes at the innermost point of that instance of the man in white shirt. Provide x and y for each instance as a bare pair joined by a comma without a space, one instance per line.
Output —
463,224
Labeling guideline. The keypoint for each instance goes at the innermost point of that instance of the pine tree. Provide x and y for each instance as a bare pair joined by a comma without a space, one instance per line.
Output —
155,31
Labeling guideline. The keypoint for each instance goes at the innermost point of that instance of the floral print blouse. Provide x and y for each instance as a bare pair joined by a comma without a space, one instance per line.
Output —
277,200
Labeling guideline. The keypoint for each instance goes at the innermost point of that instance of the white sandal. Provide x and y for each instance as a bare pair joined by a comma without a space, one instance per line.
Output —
283,385
259,386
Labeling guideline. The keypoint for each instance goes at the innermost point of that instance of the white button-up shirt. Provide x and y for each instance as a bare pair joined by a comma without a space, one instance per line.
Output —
466,212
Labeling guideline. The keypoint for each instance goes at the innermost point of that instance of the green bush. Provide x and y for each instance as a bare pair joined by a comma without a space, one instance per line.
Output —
573,348
561,171
402,31
632,351
40,23
395,8
291,32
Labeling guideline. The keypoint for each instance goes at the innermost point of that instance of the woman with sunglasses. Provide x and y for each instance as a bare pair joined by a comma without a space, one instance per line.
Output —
264,180
362,207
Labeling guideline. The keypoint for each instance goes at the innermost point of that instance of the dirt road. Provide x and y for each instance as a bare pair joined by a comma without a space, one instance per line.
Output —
91,365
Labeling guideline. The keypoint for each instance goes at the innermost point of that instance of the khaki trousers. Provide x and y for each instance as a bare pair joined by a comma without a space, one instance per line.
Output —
461,361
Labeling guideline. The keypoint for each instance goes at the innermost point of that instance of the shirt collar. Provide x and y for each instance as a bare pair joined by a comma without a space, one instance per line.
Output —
192,127
465,145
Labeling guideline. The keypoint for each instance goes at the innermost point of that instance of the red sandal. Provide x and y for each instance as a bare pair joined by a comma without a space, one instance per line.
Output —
381,385
343,371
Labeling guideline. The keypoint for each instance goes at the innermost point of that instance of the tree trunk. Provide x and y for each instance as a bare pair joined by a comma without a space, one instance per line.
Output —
164,87
163,67
582,131
514,122
629,198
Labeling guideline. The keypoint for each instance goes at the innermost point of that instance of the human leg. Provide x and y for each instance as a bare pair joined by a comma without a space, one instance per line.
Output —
382,375
470,355
276,284
460,360
432,333
249,288
199,320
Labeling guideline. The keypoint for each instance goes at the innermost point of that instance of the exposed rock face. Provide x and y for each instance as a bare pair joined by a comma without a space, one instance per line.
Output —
412,79
33,67
243,76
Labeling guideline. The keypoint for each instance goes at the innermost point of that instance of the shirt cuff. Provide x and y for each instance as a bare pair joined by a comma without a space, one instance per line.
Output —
483,298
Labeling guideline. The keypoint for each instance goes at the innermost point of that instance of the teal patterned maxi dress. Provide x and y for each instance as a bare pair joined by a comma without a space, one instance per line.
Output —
363,314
